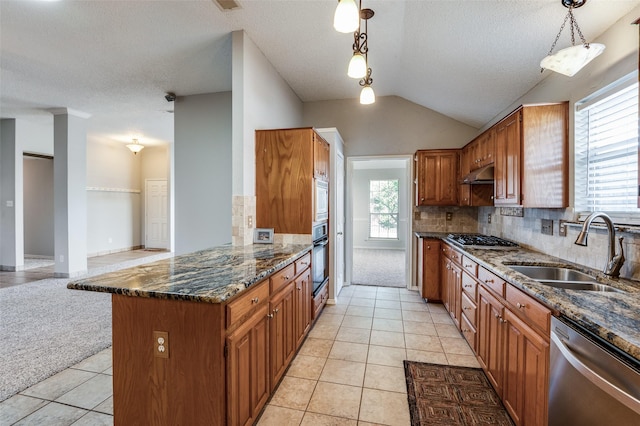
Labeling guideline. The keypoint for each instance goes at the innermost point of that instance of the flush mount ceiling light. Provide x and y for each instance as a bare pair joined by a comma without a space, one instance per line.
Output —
572,59
135,147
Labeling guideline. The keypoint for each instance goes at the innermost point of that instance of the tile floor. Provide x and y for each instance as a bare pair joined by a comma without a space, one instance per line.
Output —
349,371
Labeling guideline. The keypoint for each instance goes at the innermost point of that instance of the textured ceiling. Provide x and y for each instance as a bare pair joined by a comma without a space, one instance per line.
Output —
115,59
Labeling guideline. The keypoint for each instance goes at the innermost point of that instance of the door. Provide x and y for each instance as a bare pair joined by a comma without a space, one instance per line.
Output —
338,219
156,224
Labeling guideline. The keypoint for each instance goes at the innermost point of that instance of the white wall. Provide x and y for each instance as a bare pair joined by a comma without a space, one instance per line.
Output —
391,126
38,206
203,174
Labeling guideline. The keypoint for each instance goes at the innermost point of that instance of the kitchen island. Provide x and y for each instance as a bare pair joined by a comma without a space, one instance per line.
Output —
196,337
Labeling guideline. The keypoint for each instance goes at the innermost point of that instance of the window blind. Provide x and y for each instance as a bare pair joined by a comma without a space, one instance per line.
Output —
606,150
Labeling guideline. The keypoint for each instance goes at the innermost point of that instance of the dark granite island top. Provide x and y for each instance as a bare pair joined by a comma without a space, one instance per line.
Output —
211,276
613,316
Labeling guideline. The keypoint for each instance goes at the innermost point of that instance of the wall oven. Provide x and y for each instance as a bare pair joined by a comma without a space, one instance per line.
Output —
321,205
320,260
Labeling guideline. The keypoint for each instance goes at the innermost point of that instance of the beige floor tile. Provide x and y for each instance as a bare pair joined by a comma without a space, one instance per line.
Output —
324,331
90,393
339,309
389,408
53,414
387,338
364,294
306,367
343,372
59,384
293,393
395,314
417,327
360,311
316,347
105,407
354,335
463,360
356,301
423,342
447,330
414,306
421,316
437,308
96,363
330,319
388,304
383,355
357,322
455,346
280,416
108,371
441,318
349,351
94,419
363,287
413,296
386,378
424,356
336,400
395,297
17,407
315,419
361,423
387,324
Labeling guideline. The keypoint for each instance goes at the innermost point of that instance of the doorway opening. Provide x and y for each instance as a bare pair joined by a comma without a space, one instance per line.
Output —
379,214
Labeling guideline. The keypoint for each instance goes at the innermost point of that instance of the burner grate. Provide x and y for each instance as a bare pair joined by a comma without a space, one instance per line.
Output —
480,240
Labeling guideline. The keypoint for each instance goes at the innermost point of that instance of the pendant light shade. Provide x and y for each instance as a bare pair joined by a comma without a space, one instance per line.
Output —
347,16
572,59
367,96
357,66
135,147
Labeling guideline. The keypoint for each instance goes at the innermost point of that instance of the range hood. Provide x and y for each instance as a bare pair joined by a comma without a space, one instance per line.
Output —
483,175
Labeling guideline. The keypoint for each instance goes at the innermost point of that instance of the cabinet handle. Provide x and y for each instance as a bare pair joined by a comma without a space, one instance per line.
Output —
521,306
286,277
497,315
304,263
468,286
428,247
422,199
468,266
255,300
466,308
299,288
503,321
488,281
275,311
448,267
269,315
464,330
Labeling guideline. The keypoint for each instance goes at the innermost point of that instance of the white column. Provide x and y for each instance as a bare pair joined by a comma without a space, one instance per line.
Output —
11,196
70,194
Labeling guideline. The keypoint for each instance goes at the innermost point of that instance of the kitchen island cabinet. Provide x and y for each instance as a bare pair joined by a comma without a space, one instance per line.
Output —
204,338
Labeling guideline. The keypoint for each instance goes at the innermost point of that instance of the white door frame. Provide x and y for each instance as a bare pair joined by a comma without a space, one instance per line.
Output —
408,219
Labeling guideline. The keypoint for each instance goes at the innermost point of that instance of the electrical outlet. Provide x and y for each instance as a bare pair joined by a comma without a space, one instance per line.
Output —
449,216
562,228
547,227
489,218
250,221
161,344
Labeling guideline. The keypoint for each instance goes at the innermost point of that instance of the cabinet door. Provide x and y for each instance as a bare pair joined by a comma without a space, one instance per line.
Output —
302,308
445,273
281,333
455,293
320,157
507,161
429,269
490,337
526,373
437,178
248,369
486,147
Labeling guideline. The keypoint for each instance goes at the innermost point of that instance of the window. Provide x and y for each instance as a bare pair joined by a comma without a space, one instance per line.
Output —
383,208
606,150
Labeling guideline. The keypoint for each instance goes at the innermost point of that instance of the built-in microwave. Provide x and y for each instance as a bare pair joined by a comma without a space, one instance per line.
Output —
321,201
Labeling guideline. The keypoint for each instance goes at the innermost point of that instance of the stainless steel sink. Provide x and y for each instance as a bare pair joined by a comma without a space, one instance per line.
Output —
570,279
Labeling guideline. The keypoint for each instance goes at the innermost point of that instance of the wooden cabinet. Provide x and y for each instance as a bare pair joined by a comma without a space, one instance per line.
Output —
302,309
285,169
429,269
248,382
481,150
282,339
320,300
437,177
491,337
452,282
531,163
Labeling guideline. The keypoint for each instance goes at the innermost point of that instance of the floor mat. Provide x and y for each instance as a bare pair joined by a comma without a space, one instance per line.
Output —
446,395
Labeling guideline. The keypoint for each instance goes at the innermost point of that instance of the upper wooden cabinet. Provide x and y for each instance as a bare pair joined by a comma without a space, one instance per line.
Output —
531,164
286,162
437,177
480,151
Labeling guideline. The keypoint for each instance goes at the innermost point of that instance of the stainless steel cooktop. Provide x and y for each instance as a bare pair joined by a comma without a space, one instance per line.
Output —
480,241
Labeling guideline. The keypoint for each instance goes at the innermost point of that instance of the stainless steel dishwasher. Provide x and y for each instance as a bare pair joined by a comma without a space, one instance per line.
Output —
589,383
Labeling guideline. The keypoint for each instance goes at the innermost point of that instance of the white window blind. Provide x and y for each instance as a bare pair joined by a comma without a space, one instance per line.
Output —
606,149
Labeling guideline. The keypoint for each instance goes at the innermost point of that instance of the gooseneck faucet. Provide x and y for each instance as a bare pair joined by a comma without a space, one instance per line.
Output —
614,261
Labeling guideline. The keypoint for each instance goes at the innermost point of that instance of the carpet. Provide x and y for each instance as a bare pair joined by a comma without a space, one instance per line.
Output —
379,267
46,328
447,395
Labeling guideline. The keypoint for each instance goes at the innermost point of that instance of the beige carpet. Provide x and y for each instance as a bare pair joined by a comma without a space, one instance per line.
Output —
379,267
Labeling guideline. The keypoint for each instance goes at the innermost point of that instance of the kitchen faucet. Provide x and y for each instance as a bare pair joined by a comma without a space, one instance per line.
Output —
614,261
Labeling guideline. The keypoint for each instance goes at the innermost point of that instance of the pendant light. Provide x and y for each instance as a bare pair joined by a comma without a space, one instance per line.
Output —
572,59
357,66
347,16
135,147
367,96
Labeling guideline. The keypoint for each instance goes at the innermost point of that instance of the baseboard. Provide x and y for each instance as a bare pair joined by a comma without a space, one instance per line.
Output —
106,252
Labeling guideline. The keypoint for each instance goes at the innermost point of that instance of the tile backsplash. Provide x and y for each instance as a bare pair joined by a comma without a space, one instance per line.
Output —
434,219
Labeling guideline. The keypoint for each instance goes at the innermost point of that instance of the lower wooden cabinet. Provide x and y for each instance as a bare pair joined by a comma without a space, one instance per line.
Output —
491,337
282,338
452,288
302,310
429,269
320,300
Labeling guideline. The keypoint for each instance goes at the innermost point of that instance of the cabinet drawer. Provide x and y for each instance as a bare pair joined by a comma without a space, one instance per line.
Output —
303,263
468,308
537,314
281,278
491,281
452,254
470,266
469,285
468,331
241,306
320,300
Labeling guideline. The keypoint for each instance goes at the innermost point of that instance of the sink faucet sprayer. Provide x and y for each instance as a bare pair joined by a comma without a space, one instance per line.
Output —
614,261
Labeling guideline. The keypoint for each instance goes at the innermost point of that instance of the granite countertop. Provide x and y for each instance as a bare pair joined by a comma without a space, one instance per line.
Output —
211,276
613,316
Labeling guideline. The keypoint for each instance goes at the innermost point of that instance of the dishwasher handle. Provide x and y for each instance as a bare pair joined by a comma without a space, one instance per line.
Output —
614,391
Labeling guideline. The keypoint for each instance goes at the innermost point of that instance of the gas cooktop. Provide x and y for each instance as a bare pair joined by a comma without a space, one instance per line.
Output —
480,241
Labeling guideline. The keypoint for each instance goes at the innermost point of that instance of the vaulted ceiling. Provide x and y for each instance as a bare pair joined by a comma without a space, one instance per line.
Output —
116,59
